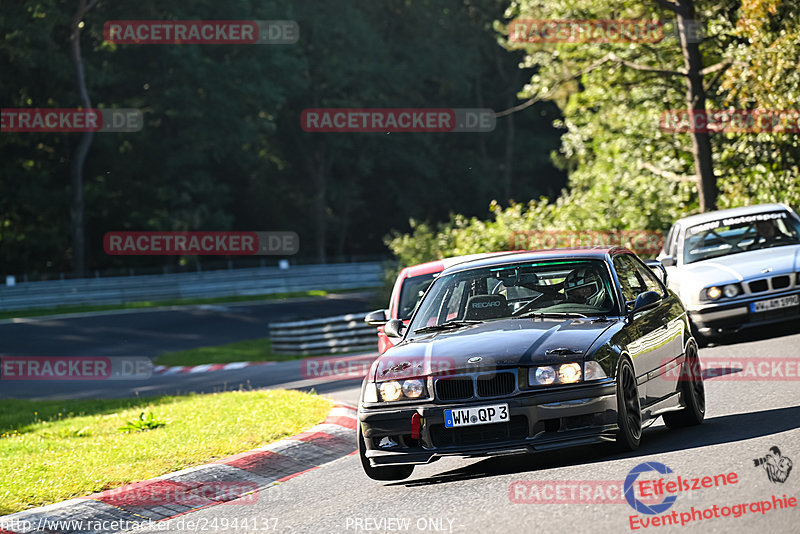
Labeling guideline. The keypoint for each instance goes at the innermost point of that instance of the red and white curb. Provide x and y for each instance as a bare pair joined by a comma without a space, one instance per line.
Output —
237,480
180,369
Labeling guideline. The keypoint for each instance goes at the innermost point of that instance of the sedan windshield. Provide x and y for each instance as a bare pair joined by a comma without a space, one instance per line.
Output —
740,234
551,288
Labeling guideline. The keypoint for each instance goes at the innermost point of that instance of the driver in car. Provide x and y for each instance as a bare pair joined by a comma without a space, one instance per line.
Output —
585,285
766,234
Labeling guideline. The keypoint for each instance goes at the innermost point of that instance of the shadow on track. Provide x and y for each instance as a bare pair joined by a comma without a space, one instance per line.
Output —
756,334
714,431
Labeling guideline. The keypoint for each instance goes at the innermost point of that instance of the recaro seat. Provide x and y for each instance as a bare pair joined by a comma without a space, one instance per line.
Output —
482,307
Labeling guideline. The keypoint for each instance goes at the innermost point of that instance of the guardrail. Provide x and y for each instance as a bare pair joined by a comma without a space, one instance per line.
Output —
329,335
223,283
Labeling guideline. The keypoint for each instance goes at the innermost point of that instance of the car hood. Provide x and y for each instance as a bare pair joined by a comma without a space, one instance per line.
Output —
501,343
736,268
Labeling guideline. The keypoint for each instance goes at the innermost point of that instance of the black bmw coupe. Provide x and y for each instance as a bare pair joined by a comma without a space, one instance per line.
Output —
529,352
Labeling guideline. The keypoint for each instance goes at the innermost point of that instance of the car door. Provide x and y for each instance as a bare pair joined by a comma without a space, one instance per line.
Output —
655,334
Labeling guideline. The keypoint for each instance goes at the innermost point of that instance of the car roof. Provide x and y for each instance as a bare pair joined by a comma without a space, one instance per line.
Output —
599,253
733,212
437,266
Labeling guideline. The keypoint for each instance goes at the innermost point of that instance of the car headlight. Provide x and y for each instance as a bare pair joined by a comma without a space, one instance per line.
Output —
394,390
541,376
730,291
391,391
569,373
713,293
593,371
413,389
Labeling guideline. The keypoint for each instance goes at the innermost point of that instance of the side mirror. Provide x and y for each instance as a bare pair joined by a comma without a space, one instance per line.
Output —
394,328
645,301
658,268
377,318
668,261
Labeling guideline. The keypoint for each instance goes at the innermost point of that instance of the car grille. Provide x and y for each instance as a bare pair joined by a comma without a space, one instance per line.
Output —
779,282
488,385
776,283
454,388
496,384
515,429
758,286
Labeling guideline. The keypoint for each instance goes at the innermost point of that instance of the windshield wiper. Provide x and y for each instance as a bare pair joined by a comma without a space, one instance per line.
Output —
555,314
446,326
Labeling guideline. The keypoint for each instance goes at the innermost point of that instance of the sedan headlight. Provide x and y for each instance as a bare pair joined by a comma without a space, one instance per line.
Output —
391,391
713,293
413,389
731,290
569,373
394,390
565,373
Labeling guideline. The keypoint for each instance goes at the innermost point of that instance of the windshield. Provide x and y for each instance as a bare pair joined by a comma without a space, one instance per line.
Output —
558,287
740,234
413,289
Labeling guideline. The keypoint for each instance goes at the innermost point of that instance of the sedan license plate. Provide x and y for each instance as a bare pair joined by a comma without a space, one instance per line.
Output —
775,304
478,415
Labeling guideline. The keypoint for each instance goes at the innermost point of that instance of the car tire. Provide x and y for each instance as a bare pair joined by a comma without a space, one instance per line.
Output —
391,472
629,411
693,394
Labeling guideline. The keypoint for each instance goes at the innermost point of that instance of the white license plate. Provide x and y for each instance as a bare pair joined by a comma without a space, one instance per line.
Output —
775,304
478,415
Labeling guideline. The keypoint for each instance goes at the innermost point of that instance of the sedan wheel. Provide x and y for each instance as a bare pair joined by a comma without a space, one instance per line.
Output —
693,394
629,412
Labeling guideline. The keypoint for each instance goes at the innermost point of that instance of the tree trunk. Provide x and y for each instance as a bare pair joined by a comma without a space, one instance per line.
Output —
76,166
696,103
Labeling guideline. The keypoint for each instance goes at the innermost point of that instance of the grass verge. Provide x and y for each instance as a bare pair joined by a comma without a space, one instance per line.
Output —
249,350
174,302
55,450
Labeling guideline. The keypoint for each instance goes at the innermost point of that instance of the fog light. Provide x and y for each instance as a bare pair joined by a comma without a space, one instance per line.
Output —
390,391
714,293
542,376
413,388
569,373
731,290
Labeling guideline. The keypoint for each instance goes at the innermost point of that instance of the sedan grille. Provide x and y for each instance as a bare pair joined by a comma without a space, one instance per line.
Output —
758,286
779,282
454,388
496,384
488,385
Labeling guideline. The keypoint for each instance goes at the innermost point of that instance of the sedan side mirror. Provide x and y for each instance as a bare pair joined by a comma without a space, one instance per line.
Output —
668,261
658,268
377,318
394,328
645,301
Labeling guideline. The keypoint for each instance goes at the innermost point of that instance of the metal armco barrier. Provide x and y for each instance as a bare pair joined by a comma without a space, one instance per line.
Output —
223,283
329,335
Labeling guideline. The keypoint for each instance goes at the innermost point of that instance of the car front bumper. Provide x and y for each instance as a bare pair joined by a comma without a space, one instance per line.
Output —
538,421
727,317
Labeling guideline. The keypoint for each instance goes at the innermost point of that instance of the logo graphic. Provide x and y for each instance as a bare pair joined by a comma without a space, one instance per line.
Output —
474,359
636,504
777,467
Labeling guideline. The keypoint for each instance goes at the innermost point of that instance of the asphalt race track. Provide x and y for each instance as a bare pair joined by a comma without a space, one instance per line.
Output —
546,492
